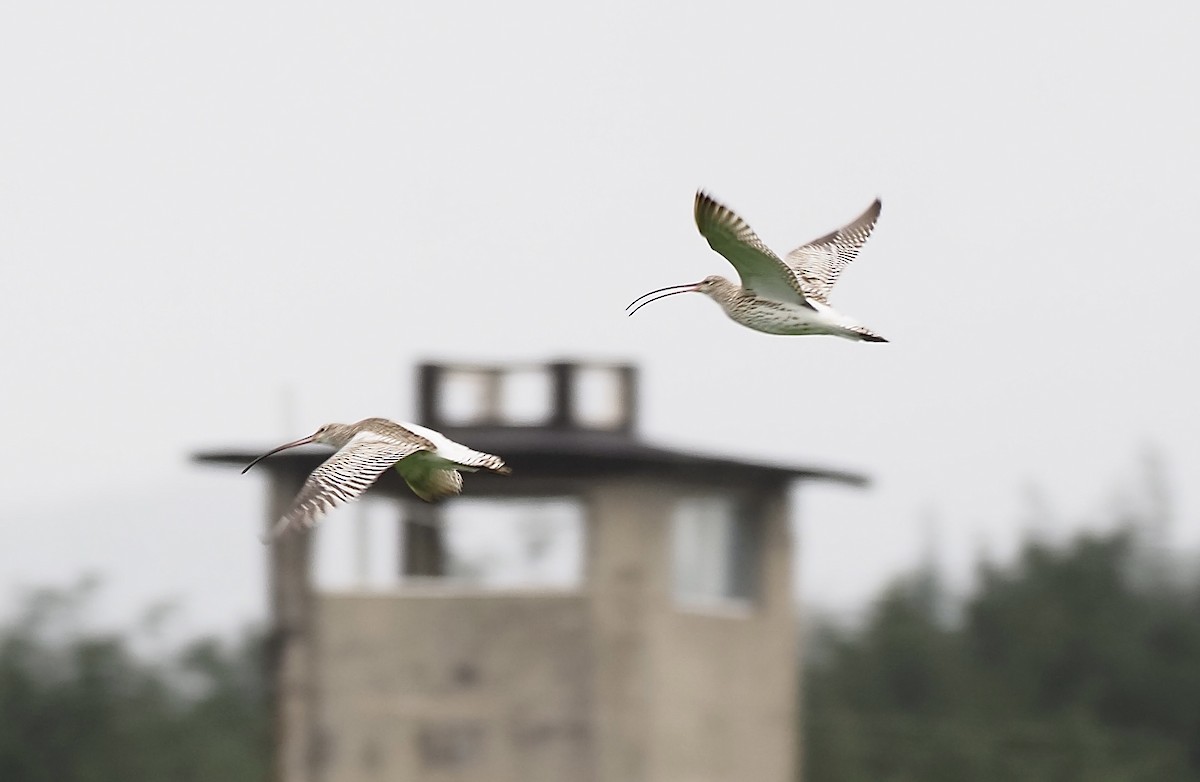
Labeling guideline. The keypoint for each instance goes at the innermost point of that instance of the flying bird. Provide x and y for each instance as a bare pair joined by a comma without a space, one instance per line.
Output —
428,461
776,296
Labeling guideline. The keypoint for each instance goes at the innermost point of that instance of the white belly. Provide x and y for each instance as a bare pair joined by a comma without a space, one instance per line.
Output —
774,317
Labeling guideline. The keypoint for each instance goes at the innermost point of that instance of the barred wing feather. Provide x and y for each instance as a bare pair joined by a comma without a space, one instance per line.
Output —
761,270
818,263
346,475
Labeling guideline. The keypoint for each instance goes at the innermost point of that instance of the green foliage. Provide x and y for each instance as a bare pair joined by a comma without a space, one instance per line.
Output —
1072,664
81,706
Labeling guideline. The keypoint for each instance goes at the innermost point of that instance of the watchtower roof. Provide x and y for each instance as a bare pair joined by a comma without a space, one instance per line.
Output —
561,420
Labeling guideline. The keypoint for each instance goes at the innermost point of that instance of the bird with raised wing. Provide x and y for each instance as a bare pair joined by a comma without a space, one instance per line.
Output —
776,296
429,462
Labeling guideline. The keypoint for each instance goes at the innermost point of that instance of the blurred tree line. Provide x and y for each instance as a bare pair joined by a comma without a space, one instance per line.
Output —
1076,662
84,705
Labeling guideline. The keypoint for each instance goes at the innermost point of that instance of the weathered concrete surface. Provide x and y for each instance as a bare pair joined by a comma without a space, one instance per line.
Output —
725,681
614,683
682,694
447,687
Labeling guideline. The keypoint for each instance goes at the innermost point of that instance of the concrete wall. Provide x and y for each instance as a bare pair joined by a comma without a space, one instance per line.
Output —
625,563
685,694
449,687
725,680
616,683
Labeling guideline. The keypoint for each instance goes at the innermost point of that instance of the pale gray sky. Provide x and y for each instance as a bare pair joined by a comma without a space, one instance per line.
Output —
204,204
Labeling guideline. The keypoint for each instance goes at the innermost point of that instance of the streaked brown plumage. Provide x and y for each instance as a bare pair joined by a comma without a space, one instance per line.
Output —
776,296
428,461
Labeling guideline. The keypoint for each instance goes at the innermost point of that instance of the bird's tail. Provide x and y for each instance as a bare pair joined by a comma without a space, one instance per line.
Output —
489,462
434,479
864,334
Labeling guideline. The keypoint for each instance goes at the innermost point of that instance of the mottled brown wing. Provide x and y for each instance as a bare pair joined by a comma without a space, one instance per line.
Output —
818,263
346,475
761,270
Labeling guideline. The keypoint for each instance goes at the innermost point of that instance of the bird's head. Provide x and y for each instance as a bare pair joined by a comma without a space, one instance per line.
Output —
336,435
326,434
712,285
662,293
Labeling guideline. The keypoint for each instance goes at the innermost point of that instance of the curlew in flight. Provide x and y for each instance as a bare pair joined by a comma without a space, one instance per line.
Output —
428,461
776,296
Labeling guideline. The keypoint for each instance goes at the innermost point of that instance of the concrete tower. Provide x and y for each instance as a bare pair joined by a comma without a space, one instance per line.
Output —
673,658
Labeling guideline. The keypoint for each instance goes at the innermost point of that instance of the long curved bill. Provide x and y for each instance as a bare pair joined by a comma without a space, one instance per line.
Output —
284,447
671,290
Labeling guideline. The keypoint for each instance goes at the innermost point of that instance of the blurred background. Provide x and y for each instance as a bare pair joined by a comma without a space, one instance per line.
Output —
223,225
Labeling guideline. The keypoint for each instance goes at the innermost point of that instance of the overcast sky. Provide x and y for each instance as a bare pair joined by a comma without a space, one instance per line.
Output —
204,205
